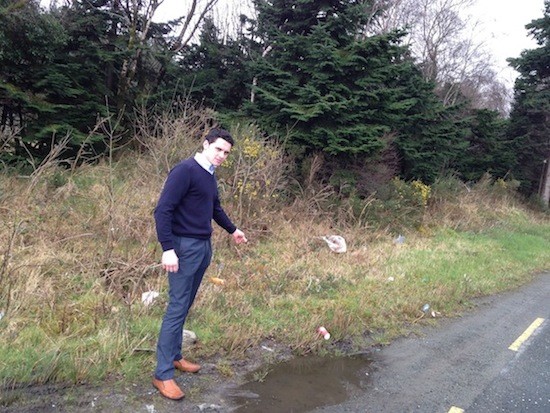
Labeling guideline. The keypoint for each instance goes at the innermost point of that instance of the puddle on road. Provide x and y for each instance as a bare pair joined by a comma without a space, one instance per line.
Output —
302,384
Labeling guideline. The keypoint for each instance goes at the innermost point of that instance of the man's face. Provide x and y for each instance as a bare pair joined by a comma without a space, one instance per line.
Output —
217,151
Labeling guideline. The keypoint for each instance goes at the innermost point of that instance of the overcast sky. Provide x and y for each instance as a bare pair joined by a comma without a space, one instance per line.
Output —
503,29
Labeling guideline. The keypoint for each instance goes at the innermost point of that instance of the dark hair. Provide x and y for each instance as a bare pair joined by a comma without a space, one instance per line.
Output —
216,133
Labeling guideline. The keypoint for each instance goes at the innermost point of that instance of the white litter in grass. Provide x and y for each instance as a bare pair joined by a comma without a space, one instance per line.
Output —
399,240
336,243
147,298
189,337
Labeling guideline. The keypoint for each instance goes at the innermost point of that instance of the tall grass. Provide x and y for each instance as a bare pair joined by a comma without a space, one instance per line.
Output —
78,249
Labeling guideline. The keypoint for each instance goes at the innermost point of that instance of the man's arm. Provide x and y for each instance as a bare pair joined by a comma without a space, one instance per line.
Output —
175,187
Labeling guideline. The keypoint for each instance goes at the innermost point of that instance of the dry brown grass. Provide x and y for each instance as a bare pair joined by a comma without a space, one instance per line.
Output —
482,205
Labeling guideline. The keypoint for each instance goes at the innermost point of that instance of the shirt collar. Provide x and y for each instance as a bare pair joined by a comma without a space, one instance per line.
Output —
205,163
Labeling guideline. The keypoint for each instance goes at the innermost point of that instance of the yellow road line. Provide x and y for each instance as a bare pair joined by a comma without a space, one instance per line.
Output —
455,410
526,334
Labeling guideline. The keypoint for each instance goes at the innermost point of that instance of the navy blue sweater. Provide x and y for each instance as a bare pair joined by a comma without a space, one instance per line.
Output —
188,203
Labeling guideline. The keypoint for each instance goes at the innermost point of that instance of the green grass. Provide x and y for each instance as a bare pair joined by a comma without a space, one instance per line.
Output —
446,271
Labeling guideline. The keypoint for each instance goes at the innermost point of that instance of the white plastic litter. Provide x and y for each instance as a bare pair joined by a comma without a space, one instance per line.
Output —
147,298
204,407
189,337
399,240
336,243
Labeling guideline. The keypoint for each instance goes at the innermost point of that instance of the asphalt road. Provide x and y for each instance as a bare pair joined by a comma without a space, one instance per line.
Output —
466,364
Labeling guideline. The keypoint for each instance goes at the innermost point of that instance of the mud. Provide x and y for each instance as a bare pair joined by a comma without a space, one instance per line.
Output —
210,390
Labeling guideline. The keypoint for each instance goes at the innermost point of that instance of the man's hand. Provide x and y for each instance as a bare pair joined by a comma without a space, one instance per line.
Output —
238,236
170,261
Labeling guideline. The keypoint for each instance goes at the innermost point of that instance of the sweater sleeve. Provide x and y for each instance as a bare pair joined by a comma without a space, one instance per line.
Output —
175,188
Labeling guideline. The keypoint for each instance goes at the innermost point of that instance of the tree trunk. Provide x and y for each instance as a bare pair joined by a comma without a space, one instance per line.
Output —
545,183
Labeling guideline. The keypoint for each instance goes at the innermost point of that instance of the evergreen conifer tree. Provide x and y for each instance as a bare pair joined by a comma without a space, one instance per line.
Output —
29,44
489,150
530,116
333,89
213,71
53,77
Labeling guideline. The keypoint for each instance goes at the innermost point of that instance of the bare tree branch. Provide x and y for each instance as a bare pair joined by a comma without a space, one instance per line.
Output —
188,30
447,53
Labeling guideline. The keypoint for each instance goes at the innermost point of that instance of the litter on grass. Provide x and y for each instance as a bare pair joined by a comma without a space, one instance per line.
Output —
399,240
323,332
189,337
148,297
336,243
217,281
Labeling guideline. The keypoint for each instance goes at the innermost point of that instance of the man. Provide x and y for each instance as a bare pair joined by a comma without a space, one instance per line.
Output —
183,216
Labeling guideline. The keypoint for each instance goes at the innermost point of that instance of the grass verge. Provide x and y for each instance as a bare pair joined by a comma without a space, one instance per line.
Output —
79,249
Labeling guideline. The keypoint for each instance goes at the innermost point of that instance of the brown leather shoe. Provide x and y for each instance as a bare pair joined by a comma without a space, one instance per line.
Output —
169,389
187,366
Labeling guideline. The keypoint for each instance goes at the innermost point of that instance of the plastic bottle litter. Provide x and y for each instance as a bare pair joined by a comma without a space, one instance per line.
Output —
323,331
426,308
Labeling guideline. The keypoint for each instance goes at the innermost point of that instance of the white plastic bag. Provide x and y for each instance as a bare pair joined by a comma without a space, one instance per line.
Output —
148,297
336,243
